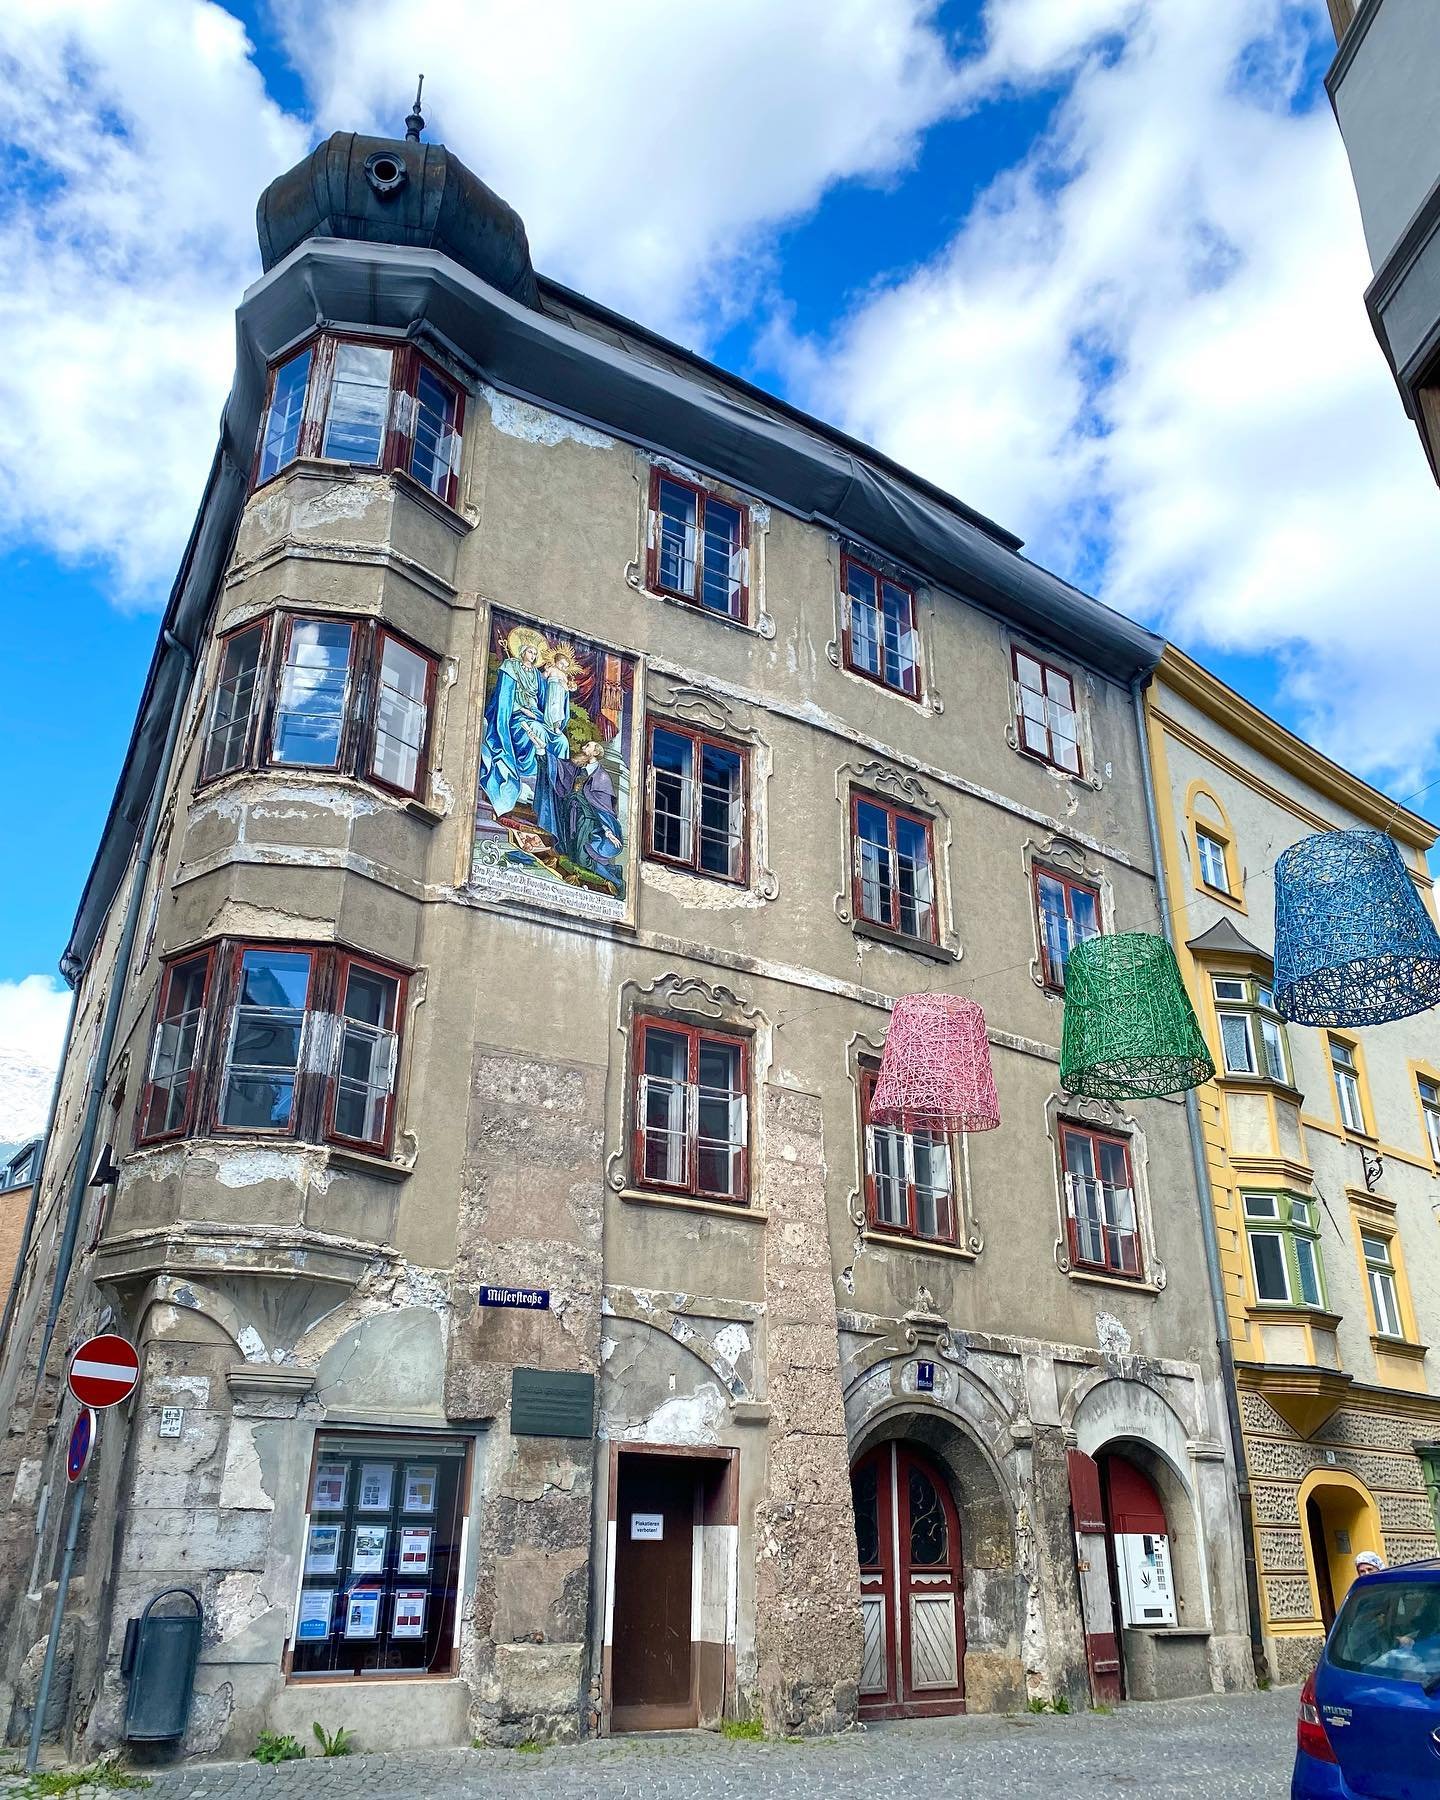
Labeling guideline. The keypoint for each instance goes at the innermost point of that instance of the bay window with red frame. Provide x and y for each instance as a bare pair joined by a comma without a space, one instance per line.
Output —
878,627
1102,1219
320,691
909,1175
893,868
691,1122
698,547
276,1040
373,405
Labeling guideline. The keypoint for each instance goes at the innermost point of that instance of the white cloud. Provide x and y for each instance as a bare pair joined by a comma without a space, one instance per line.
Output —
1146,348
32,1029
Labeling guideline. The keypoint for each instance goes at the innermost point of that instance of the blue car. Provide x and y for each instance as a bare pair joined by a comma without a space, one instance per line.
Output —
1370,1714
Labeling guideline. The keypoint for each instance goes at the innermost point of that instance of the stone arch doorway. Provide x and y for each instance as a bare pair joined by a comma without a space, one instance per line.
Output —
1340,1519
912,1584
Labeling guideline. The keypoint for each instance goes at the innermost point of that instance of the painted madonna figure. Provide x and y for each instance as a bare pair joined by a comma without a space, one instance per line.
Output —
525,724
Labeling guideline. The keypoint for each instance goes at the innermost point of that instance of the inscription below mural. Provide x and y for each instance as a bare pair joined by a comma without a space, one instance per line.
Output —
553,807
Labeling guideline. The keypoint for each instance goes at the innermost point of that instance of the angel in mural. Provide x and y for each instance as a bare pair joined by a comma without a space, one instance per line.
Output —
525,728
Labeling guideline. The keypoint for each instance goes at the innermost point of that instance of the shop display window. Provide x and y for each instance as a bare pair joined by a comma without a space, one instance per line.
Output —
382,1557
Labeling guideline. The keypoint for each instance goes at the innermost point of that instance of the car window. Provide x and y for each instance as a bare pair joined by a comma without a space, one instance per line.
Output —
1390,1628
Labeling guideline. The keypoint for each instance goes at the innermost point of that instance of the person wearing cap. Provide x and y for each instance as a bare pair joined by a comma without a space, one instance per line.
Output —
1369,1562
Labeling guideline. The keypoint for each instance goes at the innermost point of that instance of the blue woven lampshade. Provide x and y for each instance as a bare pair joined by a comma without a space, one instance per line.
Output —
1354,944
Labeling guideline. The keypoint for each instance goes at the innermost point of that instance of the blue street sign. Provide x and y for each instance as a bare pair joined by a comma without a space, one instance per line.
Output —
82,1442
531,1299
925,1378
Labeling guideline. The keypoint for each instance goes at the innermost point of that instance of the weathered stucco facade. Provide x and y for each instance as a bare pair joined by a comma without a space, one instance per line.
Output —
301,1301
1339,1418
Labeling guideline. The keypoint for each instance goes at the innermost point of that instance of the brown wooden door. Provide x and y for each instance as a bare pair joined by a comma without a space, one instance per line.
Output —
652,1683
912,1599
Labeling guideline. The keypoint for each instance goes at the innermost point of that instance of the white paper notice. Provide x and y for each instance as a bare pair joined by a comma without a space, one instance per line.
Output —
650,1526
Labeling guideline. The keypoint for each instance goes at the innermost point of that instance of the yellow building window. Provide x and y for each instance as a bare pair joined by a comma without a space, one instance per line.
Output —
1345,1065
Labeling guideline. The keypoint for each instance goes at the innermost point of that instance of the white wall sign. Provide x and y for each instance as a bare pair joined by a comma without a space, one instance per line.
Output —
649,1526
172,1419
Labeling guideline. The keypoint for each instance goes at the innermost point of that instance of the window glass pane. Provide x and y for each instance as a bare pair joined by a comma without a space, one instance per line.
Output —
1237,1044
721,812
1376,1249
1430,1106
310,712
1342,1054
928,1536
1262,1206
866,631
1387,1309
359,404
931,1160
280,439
434,450
1391,1631
1079,1153
1029,674
234,702
1273,1037
1212,862
381,1565
872,855
664,1098
400,715
913,881
263,1060
723,574
865,1498
672,802
1308,1266
177,1036
365,1075
1229,990
1267,1252
720,1119
901,647
887,1168
1348,1090
1302,1213
675,529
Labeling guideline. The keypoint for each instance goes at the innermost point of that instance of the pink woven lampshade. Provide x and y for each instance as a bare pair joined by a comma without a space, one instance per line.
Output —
935,1074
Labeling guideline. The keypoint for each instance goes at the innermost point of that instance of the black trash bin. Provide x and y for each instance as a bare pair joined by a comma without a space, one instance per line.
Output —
161,1651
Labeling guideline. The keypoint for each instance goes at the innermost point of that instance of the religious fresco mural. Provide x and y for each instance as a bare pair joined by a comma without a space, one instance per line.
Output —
552,809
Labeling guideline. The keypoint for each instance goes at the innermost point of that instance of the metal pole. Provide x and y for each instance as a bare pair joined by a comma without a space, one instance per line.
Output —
57,1618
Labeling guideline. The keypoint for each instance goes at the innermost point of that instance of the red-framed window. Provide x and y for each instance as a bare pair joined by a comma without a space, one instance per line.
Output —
878,627
376,405
1100,1204
691,1114
699,547
1045,711
892,868
909,1175
1068,912
167,1105
319,691
277,1040
695,815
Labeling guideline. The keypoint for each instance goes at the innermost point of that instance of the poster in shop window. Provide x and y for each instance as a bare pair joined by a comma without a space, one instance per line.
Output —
409,1613
329,1495
362,1613
557,748
368,1554
415,1549
315,1608
322,1553
377,1481
419,1488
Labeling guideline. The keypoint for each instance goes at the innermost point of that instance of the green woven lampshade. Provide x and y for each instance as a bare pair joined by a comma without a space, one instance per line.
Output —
1130,1030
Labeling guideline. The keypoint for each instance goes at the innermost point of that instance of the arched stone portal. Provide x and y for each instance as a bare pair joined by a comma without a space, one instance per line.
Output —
1340,1519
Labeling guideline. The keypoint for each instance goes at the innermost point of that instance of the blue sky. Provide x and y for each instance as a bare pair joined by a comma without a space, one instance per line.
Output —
1067,257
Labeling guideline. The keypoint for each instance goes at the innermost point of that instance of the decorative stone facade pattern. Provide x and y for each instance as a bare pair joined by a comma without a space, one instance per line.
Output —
1287,1597
1282,1549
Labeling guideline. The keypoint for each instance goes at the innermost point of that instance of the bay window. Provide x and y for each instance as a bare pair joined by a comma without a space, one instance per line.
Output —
305,1037
892,868
1252,1032
1103,1225
909,1179
691,1123
378,406
1069,913
879,634
695,797
698,548
306,691
1284,1241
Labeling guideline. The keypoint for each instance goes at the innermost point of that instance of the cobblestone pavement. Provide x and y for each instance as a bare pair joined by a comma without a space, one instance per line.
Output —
1214,1749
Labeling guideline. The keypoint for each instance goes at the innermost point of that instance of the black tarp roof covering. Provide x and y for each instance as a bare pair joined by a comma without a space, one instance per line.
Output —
776,454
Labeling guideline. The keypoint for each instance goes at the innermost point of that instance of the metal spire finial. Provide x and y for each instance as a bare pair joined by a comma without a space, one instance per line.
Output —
415,124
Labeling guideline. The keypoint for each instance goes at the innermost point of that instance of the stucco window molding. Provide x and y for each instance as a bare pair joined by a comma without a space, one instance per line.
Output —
897,788
690,1002
923,612
1083,691
1099,1116
1072,861
865,1050
640,574
703,710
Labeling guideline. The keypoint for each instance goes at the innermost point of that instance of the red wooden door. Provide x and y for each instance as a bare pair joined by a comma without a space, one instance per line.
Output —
1092,1563
912,1597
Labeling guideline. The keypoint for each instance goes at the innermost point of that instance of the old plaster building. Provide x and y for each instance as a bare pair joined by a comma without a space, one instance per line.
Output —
1324,1158
557,758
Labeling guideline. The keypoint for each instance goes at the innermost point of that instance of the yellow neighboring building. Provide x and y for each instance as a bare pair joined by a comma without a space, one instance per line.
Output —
1324,1159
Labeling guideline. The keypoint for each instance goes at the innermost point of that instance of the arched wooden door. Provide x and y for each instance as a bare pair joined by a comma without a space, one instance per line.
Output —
912,1593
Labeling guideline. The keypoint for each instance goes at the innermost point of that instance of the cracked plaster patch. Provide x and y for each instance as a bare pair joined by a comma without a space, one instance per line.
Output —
685,1419
519,419
731,1343
1111,1335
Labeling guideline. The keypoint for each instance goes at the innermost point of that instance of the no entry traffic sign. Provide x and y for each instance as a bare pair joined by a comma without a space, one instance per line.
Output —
82,1442
104,1370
